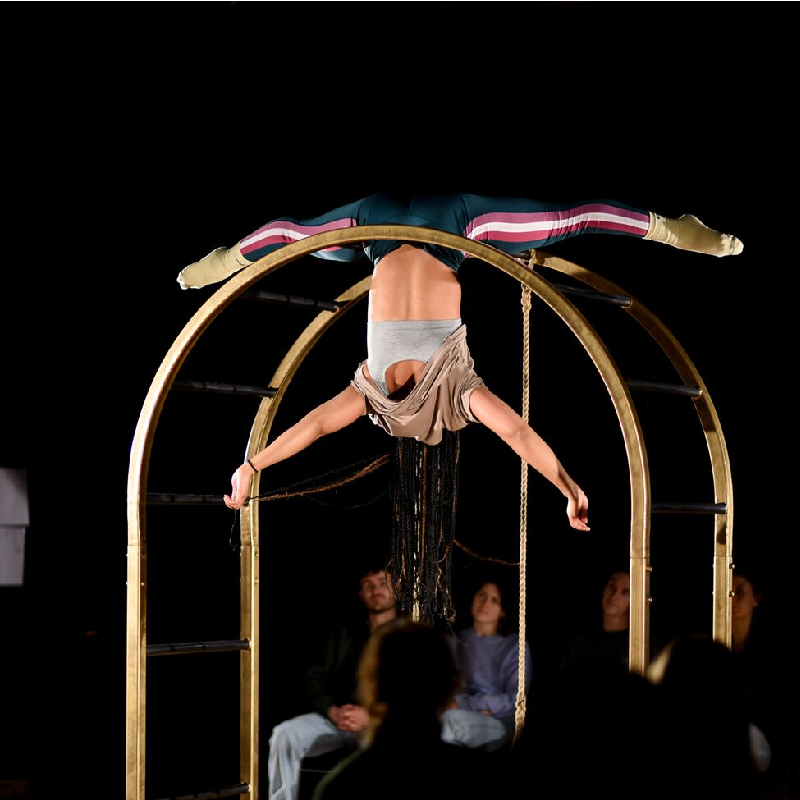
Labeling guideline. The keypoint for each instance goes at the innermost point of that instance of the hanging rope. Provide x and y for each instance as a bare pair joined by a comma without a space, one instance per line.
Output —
519,714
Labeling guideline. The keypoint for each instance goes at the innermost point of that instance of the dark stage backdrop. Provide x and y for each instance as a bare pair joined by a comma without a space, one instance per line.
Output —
145,147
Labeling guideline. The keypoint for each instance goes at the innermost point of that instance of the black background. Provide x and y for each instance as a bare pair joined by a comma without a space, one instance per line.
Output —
141,136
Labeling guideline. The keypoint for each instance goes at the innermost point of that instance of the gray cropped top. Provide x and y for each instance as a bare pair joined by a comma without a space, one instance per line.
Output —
399,340
439,401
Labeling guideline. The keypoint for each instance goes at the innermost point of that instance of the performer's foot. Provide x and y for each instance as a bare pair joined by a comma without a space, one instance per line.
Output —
688,233
213,268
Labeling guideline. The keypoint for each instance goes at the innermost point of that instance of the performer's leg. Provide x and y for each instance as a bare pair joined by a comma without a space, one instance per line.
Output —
291,741
220,263
515,225
223,262
688,233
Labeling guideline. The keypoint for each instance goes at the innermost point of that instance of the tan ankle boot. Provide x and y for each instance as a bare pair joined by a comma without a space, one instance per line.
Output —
213,268
688,233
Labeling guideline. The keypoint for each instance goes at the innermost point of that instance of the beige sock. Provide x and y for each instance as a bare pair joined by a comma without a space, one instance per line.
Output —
688,233
213,268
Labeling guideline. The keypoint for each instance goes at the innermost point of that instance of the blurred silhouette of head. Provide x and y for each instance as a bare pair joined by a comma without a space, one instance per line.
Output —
594,732
406,678
705,700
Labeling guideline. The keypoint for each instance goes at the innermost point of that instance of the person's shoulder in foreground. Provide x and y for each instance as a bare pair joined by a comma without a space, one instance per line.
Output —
433,771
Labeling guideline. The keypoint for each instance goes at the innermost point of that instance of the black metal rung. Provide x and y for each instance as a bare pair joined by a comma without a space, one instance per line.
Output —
690,508
592,294
225,388
665,388
161,499
292,300
190,648
229,791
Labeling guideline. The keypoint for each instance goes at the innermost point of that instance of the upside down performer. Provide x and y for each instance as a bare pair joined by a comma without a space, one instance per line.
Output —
418,382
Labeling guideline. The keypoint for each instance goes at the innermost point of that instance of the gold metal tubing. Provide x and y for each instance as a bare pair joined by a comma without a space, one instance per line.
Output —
136,501
249,595
249,665
152,407
715,441
135,671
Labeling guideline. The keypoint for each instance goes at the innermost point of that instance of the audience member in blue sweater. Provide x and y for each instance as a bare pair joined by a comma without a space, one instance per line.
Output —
482,712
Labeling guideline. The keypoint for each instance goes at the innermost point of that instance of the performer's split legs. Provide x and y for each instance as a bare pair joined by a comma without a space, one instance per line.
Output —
513,225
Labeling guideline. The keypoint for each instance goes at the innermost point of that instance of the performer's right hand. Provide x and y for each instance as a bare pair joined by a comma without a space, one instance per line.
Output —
240,487
578,510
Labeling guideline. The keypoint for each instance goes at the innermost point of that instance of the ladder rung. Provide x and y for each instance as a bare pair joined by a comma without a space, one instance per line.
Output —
591,294
291,300
186,648
228,791
665,388
224,388
690,508
161,499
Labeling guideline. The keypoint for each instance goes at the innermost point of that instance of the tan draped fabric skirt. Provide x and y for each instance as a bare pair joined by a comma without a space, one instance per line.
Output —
440,399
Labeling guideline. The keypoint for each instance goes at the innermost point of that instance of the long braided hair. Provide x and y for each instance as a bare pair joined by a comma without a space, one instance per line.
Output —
424,492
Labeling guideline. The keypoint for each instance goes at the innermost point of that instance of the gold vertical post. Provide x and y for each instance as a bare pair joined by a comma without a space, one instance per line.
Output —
249,659
135,681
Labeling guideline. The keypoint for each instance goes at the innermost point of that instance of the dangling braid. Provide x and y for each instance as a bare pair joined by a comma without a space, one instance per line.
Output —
424,489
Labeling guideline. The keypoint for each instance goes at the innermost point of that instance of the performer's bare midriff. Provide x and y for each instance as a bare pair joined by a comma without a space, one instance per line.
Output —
409,283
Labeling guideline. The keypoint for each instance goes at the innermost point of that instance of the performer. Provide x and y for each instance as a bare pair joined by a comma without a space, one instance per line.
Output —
419,378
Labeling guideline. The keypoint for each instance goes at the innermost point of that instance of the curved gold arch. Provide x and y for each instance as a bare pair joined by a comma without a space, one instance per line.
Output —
640,500
715,442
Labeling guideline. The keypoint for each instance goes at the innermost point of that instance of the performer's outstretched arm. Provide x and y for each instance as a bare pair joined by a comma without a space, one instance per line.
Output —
499,417
333,415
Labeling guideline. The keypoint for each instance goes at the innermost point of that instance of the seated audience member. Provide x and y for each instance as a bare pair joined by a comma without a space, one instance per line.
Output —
335,719
608,638
483,710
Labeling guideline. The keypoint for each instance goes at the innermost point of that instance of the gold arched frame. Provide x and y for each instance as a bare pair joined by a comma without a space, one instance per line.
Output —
712,430
148,419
